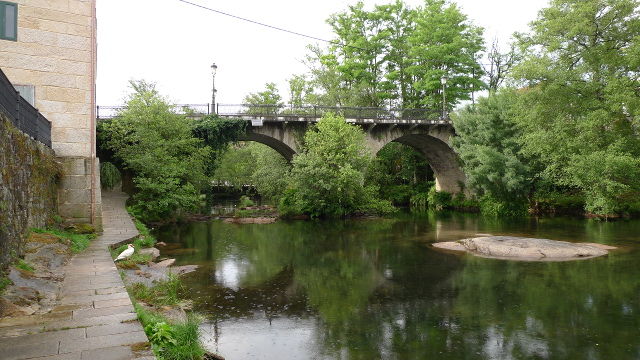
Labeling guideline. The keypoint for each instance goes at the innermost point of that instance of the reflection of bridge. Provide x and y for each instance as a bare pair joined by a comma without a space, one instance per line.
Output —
281,127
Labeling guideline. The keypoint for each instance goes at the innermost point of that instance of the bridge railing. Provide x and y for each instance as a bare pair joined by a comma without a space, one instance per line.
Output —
314,112
22,114
194,110
293,112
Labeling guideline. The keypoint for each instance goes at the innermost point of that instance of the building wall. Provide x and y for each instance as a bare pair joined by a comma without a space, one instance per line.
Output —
56,52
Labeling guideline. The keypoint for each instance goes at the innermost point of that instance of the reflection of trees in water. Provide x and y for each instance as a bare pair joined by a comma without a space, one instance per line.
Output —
551,310
379,296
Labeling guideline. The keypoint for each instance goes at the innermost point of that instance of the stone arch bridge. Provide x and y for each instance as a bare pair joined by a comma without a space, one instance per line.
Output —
282,127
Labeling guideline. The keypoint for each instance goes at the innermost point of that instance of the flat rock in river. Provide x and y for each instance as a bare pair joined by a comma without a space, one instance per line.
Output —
517,248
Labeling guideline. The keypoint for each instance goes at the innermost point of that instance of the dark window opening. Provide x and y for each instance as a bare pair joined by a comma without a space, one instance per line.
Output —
8,21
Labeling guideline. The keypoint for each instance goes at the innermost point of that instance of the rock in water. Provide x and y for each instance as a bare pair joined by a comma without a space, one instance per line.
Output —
150,251
163,264
516,248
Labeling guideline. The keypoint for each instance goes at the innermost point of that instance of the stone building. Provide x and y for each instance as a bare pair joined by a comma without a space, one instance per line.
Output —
48,50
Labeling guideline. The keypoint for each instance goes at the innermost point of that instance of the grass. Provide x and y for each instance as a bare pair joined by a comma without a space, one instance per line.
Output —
23,265
132,261
186,344
145,239
179,341
4,282
164,292
78,242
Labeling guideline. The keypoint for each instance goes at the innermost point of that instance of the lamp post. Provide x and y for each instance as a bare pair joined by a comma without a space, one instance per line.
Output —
443,81
214,67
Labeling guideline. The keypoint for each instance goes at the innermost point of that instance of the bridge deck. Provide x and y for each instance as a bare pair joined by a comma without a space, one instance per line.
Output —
308,113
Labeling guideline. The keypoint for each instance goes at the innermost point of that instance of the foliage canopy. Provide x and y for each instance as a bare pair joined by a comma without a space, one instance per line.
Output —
157,145
328,177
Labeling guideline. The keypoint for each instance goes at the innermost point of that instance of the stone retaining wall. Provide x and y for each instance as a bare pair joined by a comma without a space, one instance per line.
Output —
29,175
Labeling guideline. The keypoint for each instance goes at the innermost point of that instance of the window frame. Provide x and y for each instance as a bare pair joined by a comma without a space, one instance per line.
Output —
3,5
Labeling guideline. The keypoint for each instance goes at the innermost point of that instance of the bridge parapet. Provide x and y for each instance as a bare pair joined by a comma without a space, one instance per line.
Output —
298,113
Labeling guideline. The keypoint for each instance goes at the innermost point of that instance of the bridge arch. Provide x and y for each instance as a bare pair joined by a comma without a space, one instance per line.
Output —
433,143
283,149
442,159
431,140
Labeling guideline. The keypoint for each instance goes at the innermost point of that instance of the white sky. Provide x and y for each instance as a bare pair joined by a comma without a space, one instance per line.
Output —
174,44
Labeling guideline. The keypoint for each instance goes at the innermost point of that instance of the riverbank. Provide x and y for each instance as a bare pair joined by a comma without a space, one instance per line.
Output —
93,317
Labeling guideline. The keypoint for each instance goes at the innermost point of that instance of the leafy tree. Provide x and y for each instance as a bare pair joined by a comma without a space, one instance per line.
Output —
265,102
579,108
500,65
444,43
156,144
395,56
300,91
400,172
271,174
217,133
255,164
236,167
328,177
487,144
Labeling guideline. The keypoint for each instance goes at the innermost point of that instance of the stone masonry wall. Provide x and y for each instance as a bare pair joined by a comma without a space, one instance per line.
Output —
29,174
55,52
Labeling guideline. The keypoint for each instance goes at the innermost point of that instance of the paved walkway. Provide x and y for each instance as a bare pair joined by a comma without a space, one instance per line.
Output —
95,318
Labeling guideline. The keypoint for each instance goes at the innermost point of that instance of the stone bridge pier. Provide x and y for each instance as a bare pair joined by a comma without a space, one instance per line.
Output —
432,140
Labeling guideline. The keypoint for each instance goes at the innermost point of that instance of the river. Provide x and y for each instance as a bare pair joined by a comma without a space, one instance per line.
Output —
376,289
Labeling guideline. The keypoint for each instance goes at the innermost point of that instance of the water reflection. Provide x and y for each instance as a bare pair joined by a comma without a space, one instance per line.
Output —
367,289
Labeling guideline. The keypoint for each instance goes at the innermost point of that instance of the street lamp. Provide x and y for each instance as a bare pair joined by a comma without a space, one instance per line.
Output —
214,67
443,81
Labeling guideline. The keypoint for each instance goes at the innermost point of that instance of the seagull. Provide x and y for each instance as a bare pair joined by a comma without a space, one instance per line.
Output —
125,254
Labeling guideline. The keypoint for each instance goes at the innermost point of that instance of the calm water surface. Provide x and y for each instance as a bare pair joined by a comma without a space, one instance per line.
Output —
375,289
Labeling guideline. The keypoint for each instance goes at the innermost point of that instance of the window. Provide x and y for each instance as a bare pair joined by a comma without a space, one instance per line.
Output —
28,92
8,21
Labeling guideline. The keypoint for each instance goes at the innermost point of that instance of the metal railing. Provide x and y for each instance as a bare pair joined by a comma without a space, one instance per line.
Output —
297,113
191,110
22,114
307,112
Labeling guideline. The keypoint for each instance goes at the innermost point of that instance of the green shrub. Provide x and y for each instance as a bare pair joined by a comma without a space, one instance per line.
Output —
245,202
419,200
168,163
187,345
328,176
461,202
493,207
558,202
399,194
109,175
161,335
439,200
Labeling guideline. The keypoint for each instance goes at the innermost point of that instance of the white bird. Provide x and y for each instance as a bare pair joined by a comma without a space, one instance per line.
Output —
126,253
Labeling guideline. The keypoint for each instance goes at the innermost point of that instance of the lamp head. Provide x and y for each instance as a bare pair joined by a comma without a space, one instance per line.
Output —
214,67
444,79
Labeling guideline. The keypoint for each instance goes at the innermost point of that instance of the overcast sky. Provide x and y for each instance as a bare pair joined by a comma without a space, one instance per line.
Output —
174,44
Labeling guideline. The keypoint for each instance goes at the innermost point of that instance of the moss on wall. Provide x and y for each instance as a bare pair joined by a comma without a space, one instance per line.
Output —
29,174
